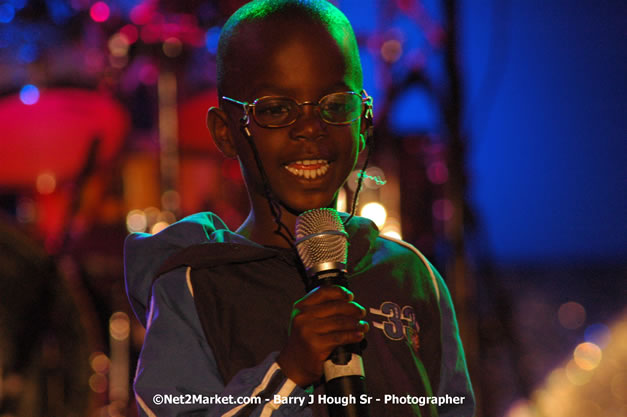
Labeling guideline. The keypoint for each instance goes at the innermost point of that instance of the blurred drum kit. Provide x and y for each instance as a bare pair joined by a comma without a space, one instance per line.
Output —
55,359
68,340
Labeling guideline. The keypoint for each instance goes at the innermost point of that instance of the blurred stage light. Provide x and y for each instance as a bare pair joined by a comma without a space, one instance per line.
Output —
211,39
571,315
392,228
592,383
375,212
587,356
118,45
99,11
391,50
131,33
119,325
99,362
29,94
7,13
172,47
341,200
136,221
98,383
46,183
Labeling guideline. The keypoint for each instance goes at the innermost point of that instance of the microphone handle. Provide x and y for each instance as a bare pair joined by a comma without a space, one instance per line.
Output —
345,382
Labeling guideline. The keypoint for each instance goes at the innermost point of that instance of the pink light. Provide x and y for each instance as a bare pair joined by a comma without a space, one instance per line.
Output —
437,173
142,14
149,74
130,32
99,11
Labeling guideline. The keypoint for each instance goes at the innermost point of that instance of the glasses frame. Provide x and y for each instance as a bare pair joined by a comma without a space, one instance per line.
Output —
249,108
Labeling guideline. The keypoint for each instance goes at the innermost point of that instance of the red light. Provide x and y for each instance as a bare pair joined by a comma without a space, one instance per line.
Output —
99,11
142,14
130,32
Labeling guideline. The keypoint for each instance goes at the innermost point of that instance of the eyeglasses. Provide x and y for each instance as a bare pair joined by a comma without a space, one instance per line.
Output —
335,109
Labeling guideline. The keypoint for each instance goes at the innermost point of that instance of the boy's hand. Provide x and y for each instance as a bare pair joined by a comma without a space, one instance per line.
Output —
322,320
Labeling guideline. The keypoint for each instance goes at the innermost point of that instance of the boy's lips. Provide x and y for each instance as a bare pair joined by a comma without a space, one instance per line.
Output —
308,168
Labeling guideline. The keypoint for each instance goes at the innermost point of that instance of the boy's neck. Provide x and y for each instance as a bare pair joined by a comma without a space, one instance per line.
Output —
261,229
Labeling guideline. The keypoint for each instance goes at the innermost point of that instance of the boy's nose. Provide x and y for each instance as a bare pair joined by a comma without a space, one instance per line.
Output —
309,125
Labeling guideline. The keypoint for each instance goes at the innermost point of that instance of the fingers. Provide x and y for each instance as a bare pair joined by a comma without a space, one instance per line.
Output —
323,294
324,319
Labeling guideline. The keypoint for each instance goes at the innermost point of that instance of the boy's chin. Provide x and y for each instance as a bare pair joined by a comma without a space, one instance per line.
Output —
298,207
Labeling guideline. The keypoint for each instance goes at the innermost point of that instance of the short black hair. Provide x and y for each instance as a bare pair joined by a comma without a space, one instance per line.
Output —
312,11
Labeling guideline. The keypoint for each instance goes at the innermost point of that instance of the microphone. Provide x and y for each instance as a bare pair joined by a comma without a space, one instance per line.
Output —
322,245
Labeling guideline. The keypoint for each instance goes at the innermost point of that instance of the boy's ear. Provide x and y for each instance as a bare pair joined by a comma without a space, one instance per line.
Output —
218,125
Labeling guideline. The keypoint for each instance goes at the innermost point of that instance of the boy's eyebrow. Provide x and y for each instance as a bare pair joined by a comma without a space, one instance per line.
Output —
268,89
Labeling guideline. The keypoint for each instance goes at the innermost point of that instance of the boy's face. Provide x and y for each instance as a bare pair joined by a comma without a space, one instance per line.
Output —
308,161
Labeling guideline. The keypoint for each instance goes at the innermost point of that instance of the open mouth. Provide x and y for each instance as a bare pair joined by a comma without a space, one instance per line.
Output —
308,168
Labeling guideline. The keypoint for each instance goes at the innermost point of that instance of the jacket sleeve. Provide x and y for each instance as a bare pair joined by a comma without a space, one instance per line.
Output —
454,378
177,373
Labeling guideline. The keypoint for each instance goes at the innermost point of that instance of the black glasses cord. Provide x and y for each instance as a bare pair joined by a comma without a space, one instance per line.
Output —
275,207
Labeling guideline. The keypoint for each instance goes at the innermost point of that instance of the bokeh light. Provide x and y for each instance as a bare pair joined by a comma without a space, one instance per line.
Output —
7,12
142,14
131,33
136,221
99,11
587,356
118,45
29,94
571,315
391,50
375,212
99,362
98,383
46,183
159,226
341,200
119,325
211,39
172,47
392,228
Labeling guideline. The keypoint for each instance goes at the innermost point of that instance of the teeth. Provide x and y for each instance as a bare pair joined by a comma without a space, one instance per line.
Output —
308,173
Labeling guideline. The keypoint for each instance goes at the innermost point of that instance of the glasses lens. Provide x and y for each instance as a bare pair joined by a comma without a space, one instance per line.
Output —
275,111
340,107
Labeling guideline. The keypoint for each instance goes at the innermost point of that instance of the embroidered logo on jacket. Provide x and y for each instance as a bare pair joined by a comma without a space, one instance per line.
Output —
398,323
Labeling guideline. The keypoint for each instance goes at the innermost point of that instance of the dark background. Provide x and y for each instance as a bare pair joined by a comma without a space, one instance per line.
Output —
500,128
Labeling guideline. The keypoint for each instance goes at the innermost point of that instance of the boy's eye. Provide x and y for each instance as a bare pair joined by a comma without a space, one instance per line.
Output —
273,108
335,106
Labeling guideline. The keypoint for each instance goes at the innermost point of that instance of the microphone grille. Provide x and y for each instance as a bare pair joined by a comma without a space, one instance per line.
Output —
321,237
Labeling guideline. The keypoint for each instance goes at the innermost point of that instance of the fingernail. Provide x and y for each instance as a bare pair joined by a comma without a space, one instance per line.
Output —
364,324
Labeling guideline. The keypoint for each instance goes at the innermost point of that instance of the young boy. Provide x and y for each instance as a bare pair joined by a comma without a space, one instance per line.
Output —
231,330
